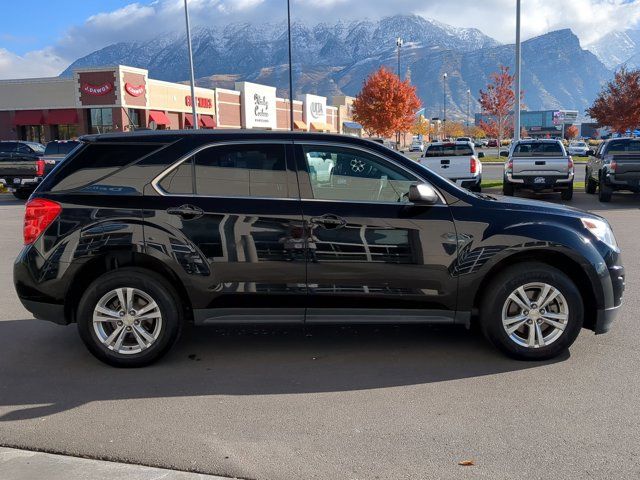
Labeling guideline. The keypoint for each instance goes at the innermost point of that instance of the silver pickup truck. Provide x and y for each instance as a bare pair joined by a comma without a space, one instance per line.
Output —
538,166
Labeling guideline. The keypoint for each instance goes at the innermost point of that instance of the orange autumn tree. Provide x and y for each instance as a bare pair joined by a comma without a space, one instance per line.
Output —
618,104
498,102
571,132
386,105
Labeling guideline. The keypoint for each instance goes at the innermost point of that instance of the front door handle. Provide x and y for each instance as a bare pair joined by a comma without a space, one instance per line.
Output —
329,221
187,212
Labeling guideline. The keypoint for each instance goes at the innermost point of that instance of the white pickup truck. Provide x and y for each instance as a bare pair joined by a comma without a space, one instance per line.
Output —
456,161
538,166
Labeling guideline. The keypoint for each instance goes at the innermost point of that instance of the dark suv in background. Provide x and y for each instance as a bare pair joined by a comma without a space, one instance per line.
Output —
613,167
135,234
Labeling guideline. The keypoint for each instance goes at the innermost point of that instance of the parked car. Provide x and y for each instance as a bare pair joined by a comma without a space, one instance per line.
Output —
464,139
416,146
492,143
136,234
538,166
480,142
578,148
21,166
456,161
615,166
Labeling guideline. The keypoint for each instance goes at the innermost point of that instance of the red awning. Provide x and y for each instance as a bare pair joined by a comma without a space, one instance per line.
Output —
188,120
29,117
64,116
159,117
207,121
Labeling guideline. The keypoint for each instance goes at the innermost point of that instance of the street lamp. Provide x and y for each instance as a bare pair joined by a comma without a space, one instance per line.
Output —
399,43
468,108
516,125
193,81
444,106
290,66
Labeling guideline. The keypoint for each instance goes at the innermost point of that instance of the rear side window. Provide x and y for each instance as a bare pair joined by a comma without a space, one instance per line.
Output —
540,149
97,160
7,147
449,151
60,148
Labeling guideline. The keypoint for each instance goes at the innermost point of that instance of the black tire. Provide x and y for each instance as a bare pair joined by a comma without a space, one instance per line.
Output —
604,192
590,185
507,189
22,194
567,194
155,287
505,284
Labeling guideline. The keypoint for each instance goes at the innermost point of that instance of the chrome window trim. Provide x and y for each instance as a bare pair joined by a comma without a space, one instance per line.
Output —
375,154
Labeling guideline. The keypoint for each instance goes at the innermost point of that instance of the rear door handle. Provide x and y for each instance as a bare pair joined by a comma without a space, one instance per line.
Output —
187,212
329,221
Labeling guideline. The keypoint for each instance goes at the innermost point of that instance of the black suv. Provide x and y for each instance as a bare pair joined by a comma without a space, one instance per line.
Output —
135,234
614,166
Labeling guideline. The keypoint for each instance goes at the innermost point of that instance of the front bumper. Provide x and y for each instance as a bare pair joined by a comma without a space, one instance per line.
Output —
46,311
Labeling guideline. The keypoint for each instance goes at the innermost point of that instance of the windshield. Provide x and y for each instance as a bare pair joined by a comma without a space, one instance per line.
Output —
578,144
447,150
538,149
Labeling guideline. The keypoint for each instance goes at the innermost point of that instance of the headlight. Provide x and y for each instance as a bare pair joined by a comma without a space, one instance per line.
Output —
601,230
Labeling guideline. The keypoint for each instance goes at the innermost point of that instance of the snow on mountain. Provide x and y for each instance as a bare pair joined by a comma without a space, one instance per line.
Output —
617,48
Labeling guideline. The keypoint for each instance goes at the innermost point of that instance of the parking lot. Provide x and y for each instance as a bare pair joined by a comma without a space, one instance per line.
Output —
352,403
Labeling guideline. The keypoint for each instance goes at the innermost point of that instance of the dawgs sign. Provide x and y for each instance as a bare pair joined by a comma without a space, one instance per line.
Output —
97,90
258,105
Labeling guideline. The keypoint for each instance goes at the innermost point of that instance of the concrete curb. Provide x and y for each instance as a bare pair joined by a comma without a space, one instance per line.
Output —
28,465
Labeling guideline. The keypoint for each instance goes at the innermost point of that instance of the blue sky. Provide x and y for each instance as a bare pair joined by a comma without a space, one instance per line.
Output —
22,31
46,36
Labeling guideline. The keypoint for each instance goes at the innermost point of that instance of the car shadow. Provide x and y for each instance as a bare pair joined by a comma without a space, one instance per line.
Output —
51,371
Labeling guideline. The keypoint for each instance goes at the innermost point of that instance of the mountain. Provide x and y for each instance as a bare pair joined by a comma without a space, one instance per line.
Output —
331,59
617,48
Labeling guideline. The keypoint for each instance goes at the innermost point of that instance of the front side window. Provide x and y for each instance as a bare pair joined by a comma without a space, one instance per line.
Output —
341,173
255,170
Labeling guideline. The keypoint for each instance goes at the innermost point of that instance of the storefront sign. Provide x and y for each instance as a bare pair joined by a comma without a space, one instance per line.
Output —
134,90
202,102
97,90
315,108
258,105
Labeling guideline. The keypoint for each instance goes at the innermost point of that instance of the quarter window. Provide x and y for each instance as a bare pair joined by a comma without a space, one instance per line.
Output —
340,173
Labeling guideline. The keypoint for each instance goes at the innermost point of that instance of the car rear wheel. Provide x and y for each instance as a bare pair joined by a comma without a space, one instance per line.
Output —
507,189
533,312
567,194
604,192
129,317
590,185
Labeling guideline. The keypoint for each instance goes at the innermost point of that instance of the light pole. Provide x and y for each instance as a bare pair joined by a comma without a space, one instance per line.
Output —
193,81
516,123
290,66
444,106
468,109
399,43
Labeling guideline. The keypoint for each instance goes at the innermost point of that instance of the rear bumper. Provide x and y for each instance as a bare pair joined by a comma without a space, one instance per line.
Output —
467,182
46,311
550,182
20,182
629,181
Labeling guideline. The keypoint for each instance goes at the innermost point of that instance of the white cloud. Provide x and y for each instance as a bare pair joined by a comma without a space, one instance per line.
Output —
589,19
37,63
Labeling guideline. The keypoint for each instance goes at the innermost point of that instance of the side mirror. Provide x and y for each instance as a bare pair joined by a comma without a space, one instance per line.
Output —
504,153
480,154
423,193
591,152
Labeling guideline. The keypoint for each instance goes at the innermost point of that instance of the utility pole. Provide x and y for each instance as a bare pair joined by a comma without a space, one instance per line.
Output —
193,81
444,106
516,123
290,66
468,109
399,43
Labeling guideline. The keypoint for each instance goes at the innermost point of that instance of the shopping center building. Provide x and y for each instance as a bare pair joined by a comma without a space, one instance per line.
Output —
121,98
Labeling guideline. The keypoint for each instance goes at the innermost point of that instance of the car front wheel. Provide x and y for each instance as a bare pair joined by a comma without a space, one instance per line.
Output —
532,312
129,317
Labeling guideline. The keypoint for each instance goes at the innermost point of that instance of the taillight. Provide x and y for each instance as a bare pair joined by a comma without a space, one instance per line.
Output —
570,163
40,167
612,166
510,166
473,165
40,213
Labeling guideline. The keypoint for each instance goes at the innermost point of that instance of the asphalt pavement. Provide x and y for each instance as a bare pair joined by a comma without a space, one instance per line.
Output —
347,403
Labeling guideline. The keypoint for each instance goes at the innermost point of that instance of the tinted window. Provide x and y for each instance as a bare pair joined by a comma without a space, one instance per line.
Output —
355,176
22,148
60,148
179,180
36,147
98,160
537,149
242,171
7,147
624,146
448,150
